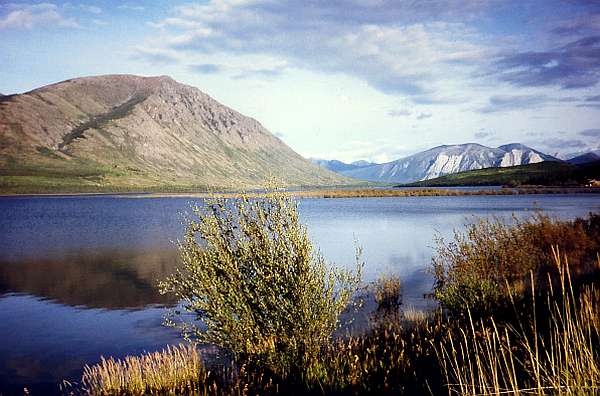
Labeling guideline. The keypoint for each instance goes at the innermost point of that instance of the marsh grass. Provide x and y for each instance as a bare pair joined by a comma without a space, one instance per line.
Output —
175,370
552,354
490,262
387,293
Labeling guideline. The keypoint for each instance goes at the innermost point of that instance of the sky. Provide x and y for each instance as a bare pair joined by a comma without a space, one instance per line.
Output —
350,80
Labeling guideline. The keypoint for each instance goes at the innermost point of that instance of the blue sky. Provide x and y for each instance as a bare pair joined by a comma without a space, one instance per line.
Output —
369,79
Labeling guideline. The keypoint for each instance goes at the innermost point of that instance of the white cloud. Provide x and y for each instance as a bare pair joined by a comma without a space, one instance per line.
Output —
92,9
99,22
156,56
399,48
25,16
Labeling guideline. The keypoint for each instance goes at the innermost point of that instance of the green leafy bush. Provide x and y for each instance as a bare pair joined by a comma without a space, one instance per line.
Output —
256,285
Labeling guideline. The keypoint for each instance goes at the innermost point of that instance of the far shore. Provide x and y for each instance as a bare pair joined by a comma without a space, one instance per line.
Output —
334,193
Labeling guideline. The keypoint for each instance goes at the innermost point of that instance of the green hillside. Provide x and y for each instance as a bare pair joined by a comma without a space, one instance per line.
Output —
548,173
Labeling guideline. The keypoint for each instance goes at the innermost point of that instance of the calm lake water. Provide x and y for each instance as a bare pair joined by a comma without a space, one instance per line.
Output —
78,274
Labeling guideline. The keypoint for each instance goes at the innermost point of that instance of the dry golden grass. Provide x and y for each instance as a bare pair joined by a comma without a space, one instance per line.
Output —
175,370
491,258
555,354
392,192
415,316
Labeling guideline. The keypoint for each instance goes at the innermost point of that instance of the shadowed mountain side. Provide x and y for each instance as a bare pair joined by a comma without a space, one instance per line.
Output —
584,159
110,279
121,132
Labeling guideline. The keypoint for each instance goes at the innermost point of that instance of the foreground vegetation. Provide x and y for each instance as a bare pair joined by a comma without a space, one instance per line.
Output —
547,173
519,313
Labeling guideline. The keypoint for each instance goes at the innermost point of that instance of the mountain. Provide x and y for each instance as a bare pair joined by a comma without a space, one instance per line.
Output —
125,132
568,156
584,158
445,160
547,173
339,166
362,163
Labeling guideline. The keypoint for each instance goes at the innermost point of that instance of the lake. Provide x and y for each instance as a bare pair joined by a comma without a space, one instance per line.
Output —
78,274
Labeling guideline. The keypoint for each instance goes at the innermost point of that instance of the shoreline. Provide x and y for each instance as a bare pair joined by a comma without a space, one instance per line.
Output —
329,193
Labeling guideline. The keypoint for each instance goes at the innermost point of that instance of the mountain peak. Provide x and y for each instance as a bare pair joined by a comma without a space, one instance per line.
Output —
146,130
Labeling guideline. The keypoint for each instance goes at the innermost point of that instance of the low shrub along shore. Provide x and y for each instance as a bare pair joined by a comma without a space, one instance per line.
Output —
519,313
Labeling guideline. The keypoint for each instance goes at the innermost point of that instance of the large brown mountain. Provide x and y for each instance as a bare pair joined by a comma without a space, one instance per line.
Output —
124,132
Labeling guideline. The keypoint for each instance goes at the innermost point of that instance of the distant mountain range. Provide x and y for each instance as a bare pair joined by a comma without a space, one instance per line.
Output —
584,159
547,173
444,160
125,132
339,166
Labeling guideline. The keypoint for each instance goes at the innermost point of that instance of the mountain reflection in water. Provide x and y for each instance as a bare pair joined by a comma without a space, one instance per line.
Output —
110,279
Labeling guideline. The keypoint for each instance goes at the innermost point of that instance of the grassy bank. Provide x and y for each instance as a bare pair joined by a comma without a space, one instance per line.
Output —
519,313
337,193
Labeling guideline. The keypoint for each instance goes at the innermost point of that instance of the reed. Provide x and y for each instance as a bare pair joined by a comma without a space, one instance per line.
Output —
552,354
491,259
174,370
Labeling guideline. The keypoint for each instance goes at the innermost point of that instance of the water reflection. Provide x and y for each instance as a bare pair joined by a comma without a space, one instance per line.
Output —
78,276
107,278
44,342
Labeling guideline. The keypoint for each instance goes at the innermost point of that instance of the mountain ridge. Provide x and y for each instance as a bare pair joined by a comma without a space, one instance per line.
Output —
584,158
447,159
546,173
133,132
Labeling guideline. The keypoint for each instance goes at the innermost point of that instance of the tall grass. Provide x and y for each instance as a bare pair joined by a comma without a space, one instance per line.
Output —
554,354
175,370
483,265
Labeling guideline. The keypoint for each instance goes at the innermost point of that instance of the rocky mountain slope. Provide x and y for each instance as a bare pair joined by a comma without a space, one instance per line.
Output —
547,173
445,160
128,132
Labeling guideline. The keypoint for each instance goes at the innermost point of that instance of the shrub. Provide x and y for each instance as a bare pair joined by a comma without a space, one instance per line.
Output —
491,258
255,283
387,293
